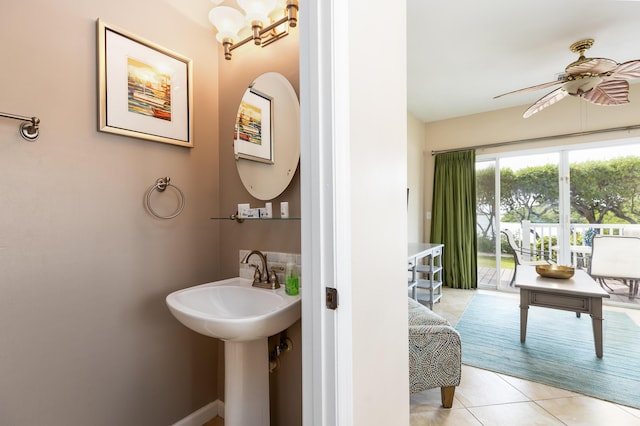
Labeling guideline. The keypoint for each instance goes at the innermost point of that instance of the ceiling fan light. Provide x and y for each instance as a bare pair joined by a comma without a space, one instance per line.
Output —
600,81
583,85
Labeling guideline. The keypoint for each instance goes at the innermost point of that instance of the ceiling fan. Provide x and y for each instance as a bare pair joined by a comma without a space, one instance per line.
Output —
600,81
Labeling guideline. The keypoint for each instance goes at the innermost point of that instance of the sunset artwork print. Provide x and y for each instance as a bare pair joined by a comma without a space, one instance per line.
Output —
149,90
252,135
144,90
249,123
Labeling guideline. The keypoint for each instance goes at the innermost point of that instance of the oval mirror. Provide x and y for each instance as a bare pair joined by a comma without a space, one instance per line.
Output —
267,136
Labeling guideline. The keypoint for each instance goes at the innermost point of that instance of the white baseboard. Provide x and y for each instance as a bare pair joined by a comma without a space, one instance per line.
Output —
203,415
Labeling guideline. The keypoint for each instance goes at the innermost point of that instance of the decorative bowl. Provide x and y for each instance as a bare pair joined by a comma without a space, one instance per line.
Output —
555,271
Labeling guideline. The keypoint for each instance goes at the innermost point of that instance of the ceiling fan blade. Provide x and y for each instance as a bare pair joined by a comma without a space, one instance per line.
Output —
609,92
629,69
592,66
532,88
545,101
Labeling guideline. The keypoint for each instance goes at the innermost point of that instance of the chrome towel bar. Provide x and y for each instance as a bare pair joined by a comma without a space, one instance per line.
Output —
29,129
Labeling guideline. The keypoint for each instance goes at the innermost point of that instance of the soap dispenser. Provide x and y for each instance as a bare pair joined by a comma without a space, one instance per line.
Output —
291,279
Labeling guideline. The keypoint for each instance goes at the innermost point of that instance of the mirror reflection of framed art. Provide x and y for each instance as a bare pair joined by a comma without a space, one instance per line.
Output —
253,135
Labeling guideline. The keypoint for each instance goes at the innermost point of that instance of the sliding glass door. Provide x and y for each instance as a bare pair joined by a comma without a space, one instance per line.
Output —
604,198
553,202
486,217
526,195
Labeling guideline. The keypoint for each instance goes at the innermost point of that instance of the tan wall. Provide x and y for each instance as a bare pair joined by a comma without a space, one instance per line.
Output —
235,76
416,173
569,116
84,270
280,236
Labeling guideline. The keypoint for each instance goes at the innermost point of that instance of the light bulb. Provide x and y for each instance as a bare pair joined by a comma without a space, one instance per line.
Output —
257,10
279,10
228,21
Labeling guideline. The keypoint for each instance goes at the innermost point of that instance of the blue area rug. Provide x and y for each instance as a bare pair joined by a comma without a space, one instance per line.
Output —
559,349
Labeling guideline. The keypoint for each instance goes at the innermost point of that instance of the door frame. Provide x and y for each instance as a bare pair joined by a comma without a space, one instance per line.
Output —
326,334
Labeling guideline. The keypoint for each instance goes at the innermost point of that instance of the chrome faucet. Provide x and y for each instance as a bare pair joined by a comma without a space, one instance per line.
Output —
262,278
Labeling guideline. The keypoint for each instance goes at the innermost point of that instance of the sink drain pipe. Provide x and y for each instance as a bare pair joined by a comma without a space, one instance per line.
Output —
285,345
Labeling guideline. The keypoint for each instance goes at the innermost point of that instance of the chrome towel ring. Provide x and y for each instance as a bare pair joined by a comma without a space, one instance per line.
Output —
160,185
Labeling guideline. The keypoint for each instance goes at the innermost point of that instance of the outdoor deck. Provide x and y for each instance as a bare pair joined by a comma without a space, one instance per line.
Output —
487,281
487,277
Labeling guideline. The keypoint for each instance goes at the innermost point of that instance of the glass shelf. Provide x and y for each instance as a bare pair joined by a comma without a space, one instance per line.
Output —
242,219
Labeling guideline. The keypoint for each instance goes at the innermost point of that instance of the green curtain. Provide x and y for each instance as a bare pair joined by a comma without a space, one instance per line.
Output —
453,220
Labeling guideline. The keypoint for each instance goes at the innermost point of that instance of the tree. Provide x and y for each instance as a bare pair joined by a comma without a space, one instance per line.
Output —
485,200
530,194
606,191
601,192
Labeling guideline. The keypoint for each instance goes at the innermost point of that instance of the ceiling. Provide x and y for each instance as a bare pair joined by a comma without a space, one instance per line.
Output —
460,54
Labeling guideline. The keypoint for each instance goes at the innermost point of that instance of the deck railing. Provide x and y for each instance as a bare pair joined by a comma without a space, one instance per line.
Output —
545,237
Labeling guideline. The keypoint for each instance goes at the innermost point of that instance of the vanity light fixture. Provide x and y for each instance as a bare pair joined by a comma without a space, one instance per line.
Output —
265,20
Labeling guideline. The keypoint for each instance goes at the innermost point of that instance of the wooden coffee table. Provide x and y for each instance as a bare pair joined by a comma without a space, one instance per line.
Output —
580,294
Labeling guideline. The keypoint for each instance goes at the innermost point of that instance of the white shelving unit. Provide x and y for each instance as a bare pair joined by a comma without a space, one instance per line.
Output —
425,268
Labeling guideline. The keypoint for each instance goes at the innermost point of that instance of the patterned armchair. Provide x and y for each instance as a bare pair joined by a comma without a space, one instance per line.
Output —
434,353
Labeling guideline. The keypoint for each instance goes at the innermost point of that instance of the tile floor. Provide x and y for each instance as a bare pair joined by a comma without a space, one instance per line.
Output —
487,398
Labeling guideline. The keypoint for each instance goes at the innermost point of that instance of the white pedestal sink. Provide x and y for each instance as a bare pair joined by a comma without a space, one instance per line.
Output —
244,317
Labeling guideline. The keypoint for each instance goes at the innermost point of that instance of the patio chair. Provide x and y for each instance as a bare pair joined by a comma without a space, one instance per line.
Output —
523,256
616,257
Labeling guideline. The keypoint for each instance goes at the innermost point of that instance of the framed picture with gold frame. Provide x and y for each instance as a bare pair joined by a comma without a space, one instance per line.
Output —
144,90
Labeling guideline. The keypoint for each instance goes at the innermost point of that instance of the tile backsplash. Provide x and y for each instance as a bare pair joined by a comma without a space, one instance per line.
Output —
275,260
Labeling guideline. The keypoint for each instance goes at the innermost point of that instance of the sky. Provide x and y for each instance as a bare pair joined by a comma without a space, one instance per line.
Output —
575,156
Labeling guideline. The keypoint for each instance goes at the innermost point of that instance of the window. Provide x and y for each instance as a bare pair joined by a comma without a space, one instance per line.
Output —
554,201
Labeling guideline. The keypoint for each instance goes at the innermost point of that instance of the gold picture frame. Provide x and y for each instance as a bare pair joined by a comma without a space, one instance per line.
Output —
145,90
